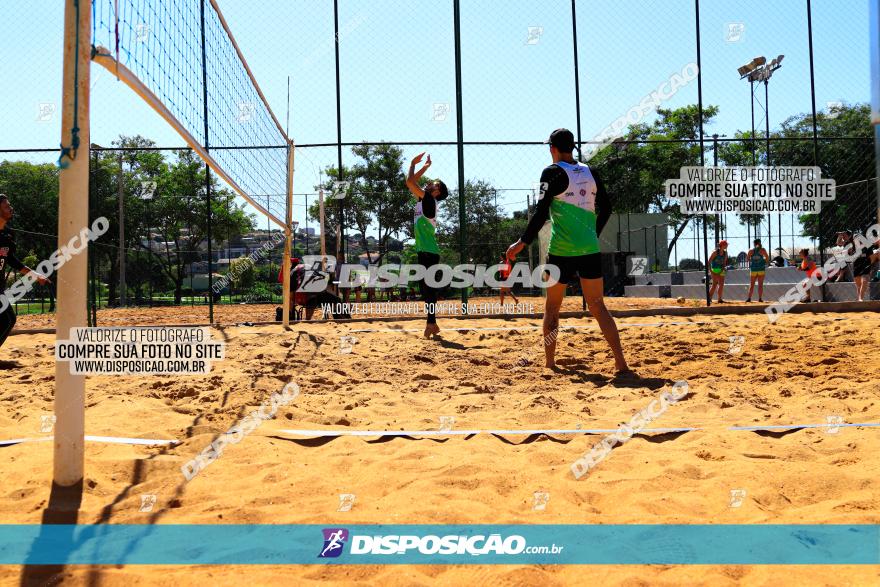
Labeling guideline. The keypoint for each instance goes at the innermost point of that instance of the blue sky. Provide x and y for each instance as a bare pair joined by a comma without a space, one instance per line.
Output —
397,63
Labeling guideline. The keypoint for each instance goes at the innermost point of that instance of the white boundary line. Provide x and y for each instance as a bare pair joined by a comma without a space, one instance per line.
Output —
337,433
334,433
102,439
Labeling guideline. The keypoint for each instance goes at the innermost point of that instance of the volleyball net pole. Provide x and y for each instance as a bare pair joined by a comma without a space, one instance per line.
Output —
250,151
288,234
73,216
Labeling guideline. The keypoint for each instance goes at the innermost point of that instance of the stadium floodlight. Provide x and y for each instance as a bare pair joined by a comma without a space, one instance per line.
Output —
773,66
758,70
751,66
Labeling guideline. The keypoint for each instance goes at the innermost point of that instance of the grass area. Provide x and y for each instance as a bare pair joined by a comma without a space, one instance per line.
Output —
23,309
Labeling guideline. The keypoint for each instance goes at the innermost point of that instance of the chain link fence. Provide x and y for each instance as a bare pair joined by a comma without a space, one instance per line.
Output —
370,86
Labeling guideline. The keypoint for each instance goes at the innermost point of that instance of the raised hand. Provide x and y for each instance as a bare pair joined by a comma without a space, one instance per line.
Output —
514,249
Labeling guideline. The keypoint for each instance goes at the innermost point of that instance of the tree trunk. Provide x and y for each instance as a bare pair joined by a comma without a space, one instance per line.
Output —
366,246
677,234
178,284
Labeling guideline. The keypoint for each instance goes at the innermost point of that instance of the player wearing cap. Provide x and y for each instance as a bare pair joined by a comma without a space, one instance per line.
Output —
574,200
8,258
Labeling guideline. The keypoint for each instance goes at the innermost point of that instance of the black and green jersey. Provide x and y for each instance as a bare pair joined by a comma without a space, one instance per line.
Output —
719,262
758,262
574,200
425,225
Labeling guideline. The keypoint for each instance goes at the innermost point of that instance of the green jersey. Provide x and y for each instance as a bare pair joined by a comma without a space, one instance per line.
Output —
719,263
758,262
425,228
573,200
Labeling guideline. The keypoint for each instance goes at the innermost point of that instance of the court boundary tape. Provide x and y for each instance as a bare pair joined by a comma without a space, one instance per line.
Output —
500,432
100,439
576,431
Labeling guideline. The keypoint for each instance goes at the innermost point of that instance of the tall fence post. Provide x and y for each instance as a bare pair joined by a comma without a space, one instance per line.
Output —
702,148
120,194
577,97
577,84
821,222
462,217
875,90
715,163
340,245
90,290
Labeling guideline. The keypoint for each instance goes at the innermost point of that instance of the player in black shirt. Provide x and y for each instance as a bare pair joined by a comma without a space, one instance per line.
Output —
8,259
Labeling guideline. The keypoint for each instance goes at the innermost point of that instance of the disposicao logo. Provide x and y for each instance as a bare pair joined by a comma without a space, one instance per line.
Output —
334,540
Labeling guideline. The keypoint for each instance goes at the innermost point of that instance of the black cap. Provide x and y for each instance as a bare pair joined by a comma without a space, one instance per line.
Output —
562,139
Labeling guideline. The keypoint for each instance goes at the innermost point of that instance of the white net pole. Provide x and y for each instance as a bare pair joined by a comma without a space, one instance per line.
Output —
285,320
73,216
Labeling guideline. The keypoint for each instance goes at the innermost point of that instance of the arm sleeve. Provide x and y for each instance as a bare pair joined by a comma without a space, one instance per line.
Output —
14,261
603,205
554,181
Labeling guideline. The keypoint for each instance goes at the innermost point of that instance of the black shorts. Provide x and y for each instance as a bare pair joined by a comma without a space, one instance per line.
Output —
585,266
861,266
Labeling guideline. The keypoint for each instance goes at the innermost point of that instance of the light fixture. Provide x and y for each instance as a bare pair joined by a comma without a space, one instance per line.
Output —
751,66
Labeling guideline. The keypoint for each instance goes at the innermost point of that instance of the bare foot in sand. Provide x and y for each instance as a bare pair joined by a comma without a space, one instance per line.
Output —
626,373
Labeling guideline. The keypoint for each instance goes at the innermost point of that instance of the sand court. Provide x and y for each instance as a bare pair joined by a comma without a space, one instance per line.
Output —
779,426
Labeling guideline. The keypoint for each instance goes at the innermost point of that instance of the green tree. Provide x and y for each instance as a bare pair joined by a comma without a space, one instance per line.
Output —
381,182
634,173
850,162
242,272
179,214
744,152
33,193
137,171
376,197
334,211
486,243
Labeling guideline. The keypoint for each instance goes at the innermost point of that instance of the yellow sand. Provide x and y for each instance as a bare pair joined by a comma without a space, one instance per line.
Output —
801,370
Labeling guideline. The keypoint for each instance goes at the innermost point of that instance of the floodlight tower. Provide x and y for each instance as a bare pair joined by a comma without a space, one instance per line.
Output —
758,70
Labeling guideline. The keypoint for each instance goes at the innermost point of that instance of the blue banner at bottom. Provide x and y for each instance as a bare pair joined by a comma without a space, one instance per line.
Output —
630,544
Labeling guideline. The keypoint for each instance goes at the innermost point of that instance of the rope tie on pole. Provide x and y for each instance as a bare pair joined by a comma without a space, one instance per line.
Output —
70,152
